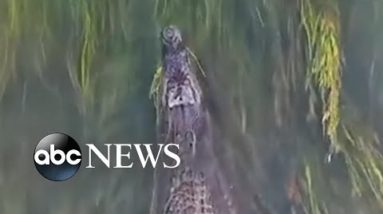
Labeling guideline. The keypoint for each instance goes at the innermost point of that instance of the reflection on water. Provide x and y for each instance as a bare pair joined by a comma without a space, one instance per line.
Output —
85,68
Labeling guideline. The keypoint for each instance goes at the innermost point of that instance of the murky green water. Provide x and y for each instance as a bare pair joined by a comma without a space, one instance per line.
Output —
85,68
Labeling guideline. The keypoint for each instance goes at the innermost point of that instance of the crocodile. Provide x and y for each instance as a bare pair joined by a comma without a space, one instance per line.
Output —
197,186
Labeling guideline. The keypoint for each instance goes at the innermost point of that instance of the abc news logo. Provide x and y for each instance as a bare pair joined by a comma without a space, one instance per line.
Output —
58,156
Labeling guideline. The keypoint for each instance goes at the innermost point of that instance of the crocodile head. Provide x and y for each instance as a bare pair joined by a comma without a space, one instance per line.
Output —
180,85
171,38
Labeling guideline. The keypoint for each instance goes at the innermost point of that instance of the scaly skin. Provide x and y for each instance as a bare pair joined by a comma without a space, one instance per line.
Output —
181,95
189,194
197,186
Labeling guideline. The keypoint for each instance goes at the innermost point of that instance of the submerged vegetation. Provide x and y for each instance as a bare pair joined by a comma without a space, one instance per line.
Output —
358,145
321,25
294,88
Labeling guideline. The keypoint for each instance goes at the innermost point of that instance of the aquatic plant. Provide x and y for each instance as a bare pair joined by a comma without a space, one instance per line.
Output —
266,64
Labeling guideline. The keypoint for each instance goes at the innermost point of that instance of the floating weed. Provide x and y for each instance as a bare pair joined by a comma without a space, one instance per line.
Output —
313,204
10,40
324,73
324,61
363,160
194,57
155,88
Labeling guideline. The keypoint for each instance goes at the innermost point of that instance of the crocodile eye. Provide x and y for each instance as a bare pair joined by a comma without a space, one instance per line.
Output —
171,36
187,82
168,34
